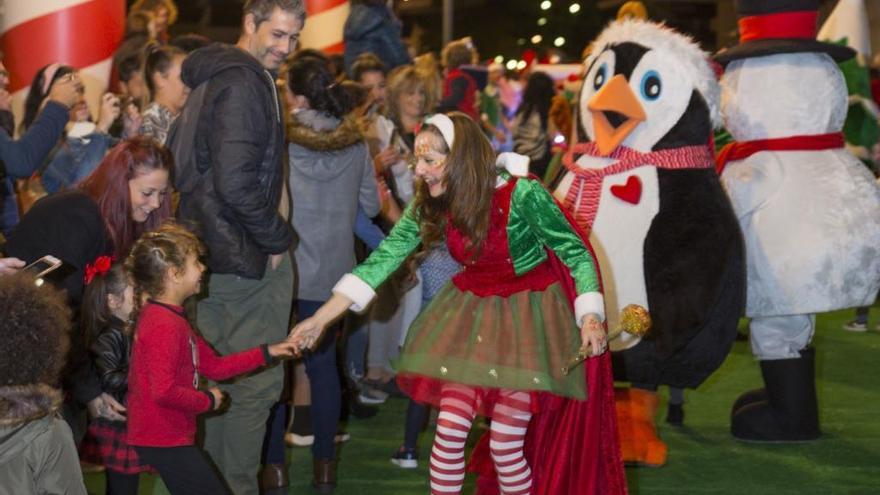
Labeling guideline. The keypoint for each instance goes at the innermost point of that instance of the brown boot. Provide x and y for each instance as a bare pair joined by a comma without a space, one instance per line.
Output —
325,475
273,476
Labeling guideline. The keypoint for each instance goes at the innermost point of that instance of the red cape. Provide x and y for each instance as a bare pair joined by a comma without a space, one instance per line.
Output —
571,446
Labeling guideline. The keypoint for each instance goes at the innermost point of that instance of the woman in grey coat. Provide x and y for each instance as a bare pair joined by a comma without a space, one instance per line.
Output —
331,174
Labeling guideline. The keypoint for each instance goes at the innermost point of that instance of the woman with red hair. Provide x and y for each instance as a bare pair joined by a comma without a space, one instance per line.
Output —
87,226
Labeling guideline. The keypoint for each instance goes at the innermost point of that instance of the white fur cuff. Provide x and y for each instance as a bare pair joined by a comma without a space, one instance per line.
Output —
360,293
516,164
586,303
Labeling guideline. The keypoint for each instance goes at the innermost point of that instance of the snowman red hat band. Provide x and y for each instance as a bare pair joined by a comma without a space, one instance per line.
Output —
770,27
790,25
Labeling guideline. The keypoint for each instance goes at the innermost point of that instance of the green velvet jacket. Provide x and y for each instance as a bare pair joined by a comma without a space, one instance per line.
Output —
534,223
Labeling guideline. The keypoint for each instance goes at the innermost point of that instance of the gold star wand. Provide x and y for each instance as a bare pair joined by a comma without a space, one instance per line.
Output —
634,320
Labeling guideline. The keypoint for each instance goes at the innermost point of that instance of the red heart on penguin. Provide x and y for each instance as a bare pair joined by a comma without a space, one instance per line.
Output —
631,192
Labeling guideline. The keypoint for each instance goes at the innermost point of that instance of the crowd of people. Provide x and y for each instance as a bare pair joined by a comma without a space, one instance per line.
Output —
283,161
227,204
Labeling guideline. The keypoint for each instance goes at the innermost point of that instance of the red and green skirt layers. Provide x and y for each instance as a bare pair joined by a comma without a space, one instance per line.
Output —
518,342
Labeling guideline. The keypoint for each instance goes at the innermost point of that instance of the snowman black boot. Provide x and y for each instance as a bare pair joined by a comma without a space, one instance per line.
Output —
790,411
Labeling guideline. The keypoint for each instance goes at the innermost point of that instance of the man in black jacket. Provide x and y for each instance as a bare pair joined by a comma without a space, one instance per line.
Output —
228,146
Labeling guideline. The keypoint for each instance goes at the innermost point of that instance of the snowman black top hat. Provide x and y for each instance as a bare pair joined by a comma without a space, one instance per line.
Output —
767,27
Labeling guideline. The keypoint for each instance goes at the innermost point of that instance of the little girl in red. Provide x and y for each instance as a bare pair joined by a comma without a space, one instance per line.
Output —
107,306
168,359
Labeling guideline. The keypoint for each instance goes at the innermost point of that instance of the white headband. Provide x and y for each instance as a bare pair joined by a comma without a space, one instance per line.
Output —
444,124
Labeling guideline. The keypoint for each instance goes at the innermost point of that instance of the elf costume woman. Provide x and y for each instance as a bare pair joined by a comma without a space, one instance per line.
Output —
495,341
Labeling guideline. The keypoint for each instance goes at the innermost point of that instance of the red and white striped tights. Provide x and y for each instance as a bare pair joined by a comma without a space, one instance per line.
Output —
510,419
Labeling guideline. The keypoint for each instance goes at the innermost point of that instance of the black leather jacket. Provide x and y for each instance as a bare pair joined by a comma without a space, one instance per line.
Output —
111,351
228,146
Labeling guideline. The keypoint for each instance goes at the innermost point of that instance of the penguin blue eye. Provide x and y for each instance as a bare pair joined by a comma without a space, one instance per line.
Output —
601,75
651,85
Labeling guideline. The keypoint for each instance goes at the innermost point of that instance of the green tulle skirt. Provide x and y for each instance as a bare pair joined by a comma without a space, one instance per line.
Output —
519,342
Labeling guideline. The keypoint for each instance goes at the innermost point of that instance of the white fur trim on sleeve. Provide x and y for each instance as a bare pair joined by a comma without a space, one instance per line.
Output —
516,164
360,293
589,302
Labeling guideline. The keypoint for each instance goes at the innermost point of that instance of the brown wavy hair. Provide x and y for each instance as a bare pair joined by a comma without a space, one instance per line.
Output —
469,176
403,80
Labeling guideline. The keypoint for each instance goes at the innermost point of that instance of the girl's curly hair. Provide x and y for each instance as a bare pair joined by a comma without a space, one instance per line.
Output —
33,331
156,252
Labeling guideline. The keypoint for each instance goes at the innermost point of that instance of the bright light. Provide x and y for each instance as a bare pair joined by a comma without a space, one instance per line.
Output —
499,59
559,41
537,38
542,21
521,65
511,64
574,8
554,59
545,5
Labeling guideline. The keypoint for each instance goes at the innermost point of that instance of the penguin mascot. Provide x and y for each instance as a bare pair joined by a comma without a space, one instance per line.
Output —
643,184
809,210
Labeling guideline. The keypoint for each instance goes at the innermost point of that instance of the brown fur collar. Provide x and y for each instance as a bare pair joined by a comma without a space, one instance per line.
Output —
21,404
346,134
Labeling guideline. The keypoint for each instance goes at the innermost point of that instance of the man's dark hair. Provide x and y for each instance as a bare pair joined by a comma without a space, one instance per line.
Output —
190,42
366,62
262,9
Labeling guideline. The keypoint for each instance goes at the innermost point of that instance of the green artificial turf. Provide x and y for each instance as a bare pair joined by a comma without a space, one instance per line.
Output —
703,457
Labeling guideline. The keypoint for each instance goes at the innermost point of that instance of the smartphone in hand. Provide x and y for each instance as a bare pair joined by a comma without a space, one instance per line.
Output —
42,266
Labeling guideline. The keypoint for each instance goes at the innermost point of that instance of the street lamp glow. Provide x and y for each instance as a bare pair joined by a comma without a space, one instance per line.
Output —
537,39
521,65
542,21
559,41
574,8
545,5
511,64
499,59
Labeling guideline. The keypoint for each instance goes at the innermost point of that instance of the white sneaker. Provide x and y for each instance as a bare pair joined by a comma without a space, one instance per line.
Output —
370,395
855,326
295,440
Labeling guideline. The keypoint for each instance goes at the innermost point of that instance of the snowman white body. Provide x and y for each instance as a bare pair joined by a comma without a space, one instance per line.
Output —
811,219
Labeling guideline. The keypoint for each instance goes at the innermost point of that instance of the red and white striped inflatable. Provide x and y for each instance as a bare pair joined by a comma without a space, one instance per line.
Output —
323,29
80,33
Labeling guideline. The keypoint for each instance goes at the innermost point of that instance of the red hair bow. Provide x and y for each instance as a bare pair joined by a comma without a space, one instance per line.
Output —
100,266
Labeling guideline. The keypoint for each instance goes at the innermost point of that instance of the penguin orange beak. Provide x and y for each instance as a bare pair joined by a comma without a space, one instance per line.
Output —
616,113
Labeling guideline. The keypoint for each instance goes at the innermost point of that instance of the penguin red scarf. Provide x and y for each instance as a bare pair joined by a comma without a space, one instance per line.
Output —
741,150
583,195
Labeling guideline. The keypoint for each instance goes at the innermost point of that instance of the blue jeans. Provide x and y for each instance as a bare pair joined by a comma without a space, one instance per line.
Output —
324,381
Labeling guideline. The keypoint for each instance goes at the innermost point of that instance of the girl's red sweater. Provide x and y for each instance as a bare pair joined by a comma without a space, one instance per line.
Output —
163,400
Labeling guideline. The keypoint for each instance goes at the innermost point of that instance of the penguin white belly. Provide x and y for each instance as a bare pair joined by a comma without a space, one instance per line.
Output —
618,237
811,222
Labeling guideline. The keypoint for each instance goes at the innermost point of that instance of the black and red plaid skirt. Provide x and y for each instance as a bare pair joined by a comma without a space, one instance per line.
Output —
106,444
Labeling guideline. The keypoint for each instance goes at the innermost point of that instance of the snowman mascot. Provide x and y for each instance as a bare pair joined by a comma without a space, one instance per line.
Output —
810,212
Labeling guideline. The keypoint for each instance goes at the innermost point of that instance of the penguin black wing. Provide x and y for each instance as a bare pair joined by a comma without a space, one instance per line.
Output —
694,275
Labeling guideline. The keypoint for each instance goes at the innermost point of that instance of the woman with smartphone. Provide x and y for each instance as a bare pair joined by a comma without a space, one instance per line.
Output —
98,220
